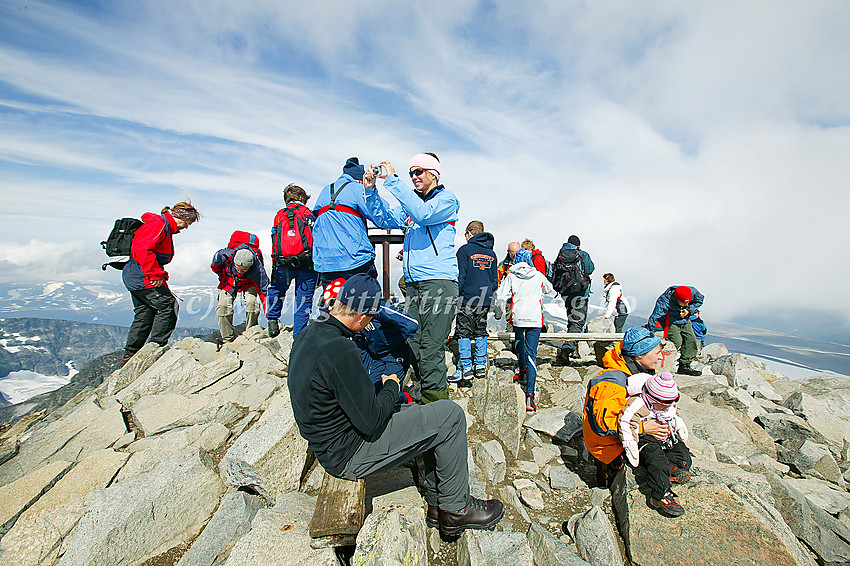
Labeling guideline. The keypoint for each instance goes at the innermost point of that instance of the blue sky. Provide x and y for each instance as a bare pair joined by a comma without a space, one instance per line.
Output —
699,143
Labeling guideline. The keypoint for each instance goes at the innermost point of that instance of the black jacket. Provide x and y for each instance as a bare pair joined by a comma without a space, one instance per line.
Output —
333,399
477,267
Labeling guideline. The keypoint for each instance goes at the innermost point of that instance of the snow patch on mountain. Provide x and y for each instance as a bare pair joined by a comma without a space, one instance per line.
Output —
19,386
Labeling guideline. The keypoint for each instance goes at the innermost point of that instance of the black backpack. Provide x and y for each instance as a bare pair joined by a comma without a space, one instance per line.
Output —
119,242
574,281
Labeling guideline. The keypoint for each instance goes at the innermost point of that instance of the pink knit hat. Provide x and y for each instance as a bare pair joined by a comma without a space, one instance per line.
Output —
428,162
661,388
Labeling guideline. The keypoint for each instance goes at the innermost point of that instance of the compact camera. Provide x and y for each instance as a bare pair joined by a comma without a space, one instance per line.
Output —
379,170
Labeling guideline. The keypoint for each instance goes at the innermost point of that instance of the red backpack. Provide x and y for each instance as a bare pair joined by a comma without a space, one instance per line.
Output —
239,237
292,238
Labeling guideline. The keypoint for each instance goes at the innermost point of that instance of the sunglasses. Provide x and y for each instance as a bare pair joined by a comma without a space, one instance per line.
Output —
416,172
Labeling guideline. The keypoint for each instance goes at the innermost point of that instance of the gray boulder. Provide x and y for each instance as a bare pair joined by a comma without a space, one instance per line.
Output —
824,534
280,536
595,538
745,373
491,460
142,517
270,456
711,352
549,550
17,496
557,423
730,444
231,521
818,415
393,536
138,364
500,407
153,414
811,458
479,548
38,532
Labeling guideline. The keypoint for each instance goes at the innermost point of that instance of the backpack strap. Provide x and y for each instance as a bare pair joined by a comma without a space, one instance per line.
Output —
339,207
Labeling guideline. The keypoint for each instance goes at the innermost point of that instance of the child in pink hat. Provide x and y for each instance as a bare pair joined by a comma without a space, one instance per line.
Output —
666,460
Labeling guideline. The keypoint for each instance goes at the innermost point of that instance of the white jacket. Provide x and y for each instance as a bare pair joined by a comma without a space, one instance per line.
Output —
613,293
525,287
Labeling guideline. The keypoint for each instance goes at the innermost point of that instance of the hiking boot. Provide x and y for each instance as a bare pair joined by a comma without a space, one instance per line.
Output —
678,475
124,360
464,383
478,514
530,404
520,377
274,328
432,518
479,372
667,505
686,369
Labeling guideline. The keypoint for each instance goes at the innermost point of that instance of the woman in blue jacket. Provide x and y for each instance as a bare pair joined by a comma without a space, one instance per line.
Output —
428,214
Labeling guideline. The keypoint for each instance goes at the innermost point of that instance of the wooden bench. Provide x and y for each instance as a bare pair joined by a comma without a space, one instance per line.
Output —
565,336
340,512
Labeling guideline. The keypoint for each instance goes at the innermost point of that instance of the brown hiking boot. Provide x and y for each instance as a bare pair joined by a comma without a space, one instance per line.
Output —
667,505
432,517
478,514
125,359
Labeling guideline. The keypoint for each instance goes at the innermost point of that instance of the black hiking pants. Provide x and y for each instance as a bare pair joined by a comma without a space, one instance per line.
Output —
660,462
155,317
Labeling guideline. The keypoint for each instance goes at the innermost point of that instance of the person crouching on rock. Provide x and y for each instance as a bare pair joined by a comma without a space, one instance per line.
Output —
666,460
354,433
239,270
638,353
145,277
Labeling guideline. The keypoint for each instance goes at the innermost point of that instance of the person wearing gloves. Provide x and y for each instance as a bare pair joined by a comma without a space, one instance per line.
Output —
239,270
355,433
607,392
666,460
154,306
525,287
615,304
427,214
671,315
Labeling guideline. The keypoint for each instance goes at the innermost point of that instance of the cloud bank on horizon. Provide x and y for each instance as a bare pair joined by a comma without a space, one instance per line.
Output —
685,144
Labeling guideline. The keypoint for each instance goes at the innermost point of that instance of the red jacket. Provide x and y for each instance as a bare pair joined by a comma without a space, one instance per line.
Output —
152,248
539,262
231,281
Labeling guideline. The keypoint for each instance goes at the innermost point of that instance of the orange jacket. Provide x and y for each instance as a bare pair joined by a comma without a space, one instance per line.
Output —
606,397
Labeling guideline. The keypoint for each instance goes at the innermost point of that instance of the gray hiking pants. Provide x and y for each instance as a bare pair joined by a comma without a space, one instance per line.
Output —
433,304
437,431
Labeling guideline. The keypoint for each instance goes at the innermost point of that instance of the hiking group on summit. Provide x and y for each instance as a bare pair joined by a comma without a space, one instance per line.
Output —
349,359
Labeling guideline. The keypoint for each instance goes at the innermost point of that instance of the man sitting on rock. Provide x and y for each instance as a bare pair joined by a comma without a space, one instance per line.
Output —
355,433
671,315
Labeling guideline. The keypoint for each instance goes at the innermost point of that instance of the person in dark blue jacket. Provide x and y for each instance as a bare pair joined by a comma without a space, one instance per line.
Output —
477,281
700,329
671,315
383,346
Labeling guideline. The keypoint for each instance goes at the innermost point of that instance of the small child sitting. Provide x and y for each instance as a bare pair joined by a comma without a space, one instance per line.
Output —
666,460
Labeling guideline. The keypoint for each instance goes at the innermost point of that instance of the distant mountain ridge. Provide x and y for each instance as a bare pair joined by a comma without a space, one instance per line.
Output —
48,346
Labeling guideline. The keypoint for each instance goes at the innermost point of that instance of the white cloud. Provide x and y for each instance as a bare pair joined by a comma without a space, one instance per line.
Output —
702,144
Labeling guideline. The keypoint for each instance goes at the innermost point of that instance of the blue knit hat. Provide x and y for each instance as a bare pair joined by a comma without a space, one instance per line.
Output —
523,255
362,293
353,169
638,341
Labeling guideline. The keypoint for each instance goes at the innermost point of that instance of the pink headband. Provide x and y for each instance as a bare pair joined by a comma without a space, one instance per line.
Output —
426,161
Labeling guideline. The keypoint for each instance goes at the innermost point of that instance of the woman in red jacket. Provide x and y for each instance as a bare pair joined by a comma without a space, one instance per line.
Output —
144,276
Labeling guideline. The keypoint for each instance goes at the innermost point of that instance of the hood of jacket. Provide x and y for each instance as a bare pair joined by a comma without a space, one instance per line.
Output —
523,270
484,239
568,246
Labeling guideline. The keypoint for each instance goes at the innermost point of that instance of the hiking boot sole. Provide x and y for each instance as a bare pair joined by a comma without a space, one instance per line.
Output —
456,531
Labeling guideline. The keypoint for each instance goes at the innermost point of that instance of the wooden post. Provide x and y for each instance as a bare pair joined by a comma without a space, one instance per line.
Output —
340,512
385,238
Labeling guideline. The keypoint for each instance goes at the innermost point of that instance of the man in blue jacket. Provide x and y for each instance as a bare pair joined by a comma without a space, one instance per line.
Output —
671,316
572,280
427,214
341,244
477,280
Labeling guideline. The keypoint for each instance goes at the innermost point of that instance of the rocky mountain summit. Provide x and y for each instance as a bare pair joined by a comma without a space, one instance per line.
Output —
190,455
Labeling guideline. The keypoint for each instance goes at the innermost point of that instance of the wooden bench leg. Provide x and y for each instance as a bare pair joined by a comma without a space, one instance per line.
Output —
340,512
